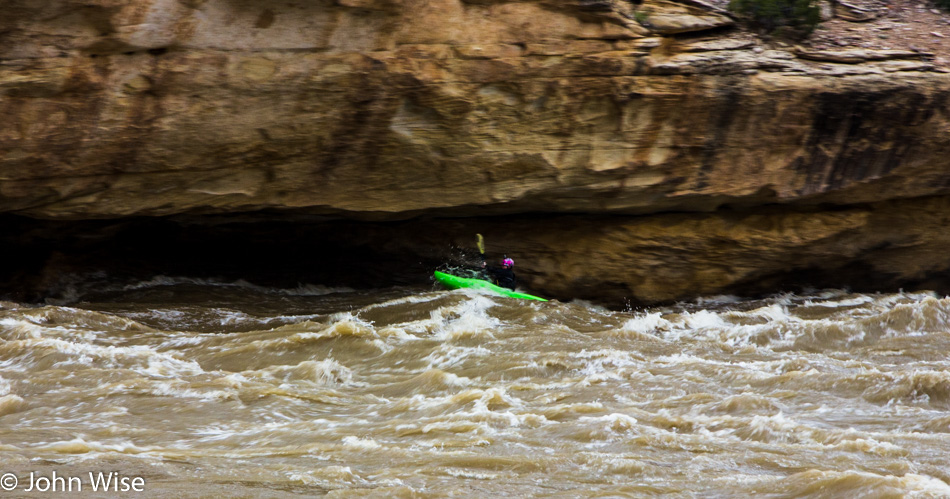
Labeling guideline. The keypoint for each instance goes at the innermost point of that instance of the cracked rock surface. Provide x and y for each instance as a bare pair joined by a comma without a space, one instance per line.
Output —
394,109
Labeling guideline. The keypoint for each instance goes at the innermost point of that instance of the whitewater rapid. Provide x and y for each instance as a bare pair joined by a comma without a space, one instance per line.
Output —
209,388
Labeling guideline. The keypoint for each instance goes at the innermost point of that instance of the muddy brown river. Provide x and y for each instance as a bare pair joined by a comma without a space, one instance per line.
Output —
189,388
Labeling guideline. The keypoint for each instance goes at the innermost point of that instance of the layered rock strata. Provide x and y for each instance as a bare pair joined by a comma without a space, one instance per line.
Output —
392,109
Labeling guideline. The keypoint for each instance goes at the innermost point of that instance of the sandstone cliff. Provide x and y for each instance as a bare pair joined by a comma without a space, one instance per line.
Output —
392,109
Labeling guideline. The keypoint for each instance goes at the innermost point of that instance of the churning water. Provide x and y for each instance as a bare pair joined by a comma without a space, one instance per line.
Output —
209,389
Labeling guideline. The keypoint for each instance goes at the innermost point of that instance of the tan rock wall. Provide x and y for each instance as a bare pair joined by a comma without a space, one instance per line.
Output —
392,108
662,258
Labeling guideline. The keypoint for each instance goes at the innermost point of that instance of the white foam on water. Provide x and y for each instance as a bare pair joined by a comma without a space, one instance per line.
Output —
404,332
925,486
141,358
471,474
182,389
479,411
704,319
79,445
918,386
609,356
557,412
175,388
177,340
777,325
930,315
775,428
846,302
772,313
451,379
448,355
233,317
452,403
491,399
360,443
613,422
612,463
164,365
78,321
764,409
328,477
705,325
323,372
649,323
216,431
233,380
336,478
685,359
342,325
289,428
480,421
10,323
168,315
467,319
602,365
867,483
870,446
17,329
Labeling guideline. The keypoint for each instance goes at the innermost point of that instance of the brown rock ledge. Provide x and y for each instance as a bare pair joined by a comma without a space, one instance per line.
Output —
615,260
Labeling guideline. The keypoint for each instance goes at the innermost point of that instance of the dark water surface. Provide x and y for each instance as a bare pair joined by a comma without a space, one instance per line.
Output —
210,389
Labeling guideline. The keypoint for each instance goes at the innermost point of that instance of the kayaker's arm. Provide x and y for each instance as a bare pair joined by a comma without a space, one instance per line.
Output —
481,248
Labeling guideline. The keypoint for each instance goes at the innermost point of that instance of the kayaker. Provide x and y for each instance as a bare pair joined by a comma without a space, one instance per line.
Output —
503,276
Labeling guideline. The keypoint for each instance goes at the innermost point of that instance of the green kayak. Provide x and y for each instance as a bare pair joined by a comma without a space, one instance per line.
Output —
455,282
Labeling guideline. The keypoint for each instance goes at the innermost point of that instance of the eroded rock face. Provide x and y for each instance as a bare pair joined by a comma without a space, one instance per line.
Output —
392,108
389,109
670,257
613,260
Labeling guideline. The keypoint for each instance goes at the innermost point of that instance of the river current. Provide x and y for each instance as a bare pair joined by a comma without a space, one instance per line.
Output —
212,389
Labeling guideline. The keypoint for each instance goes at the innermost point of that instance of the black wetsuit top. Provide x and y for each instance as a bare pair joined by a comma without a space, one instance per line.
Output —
502,277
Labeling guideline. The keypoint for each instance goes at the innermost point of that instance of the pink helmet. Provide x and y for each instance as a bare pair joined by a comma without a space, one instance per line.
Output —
507,263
